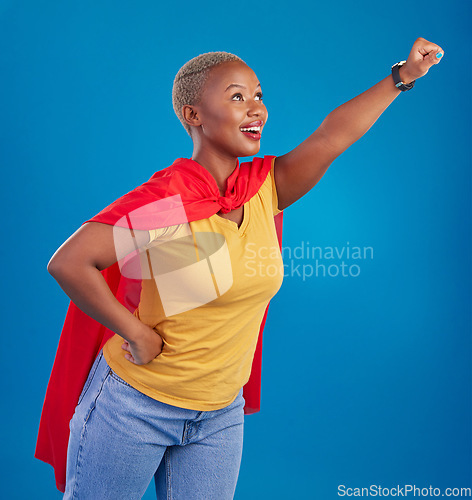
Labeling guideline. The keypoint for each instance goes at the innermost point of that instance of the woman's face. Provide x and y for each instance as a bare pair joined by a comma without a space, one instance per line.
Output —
231,100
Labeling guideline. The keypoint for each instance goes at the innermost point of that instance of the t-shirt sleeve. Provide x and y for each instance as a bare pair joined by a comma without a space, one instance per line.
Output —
275,200
162,234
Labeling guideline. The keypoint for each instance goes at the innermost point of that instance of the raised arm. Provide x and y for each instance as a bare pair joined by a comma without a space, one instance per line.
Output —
296,172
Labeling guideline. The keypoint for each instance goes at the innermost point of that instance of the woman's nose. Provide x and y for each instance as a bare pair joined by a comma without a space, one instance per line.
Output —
255,108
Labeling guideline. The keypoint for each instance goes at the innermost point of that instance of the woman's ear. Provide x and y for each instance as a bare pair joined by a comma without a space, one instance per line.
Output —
190,115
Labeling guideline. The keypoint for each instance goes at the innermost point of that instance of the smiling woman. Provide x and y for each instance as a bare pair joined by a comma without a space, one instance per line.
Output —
216,106
160,354
221,118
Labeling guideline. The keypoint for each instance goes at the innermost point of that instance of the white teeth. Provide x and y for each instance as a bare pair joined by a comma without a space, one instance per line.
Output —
252,129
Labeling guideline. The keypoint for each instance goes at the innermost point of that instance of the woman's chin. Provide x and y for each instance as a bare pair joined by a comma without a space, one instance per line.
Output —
250,151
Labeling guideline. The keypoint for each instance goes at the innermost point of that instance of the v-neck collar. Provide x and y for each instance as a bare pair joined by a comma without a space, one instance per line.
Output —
241,230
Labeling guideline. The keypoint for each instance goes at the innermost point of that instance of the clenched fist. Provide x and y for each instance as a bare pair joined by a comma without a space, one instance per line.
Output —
144,347
422,56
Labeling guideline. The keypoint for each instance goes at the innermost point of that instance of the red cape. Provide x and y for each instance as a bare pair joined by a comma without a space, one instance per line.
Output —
182,192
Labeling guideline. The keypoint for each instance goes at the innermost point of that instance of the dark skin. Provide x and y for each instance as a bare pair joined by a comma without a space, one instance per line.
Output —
76,266
218,142
215,123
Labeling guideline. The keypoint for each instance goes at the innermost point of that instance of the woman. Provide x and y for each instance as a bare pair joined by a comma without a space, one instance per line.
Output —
164,397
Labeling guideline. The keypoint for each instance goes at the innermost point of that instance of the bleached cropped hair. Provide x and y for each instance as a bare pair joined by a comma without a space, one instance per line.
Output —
190,80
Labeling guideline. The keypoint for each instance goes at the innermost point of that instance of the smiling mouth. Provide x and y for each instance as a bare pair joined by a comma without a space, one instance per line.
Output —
253,133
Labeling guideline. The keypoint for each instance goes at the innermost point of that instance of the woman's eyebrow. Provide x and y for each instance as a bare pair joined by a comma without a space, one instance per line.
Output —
241,86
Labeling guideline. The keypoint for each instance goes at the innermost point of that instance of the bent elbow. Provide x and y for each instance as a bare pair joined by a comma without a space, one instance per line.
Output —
53,266
57,264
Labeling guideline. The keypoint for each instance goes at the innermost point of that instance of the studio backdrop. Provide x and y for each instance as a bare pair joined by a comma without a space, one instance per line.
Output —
366,374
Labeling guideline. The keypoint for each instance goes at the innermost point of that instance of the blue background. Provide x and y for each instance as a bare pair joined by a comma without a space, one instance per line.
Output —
366,380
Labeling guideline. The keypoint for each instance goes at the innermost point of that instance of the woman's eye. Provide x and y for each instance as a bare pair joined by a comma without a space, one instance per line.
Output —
258,95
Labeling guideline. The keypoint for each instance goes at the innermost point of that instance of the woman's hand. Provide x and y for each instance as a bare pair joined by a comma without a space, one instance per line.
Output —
422,56
147,344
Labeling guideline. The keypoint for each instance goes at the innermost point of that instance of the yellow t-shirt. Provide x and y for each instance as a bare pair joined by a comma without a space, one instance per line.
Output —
211,283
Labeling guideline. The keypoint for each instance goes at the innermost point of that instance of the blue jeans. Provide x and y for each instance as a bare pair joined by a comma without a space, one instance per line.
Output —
120,439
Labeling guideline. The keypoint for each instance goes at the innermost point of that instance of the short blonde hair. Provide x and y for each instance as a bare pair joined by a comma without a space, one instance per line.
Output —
191,78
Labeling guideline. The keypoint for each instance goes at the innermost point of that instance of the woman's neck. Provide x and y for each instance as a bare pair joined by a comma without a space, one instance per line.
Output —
218,165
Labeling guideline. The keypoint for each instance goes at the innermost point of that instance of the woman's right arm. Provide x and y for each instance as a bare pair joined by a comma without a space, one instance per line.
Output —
76,266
